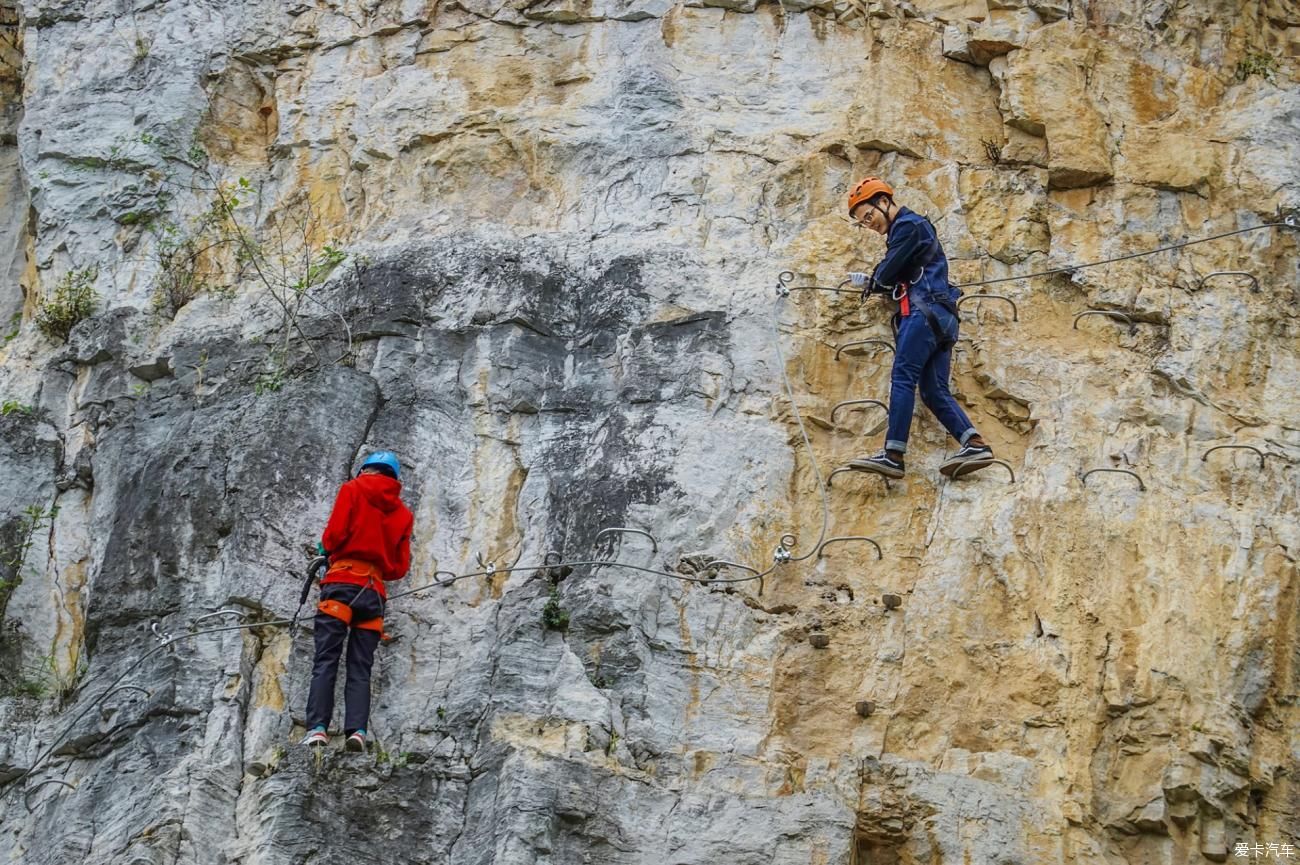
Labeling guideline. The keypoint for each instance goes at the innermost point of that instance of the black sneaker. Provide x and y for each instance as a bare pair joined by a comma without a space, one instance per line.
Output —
970,458
881,464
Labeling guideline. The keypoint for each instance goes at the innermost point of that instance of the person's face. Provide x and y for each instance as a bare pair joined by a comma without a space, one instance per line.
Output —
870,217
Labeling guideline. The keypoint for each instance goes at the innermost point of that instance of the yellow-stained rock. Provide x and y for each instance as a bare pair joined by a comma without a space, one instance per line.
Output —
1169,160
1005,210
1045,92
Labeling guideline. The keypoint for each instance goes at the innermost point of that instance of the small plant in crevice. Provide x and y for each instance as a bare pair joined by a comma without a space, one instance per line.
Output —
213,233
613,744
15,325
554,616
13,406
1259,63
141,47
13,551
598,678
34,518
993,150
43,679
73,300
269,381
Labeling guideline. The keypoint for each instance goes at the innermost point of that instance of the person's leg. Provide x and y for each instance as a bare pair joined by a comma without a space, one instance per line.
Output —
939,400
916,342
361,658
329,634
974,452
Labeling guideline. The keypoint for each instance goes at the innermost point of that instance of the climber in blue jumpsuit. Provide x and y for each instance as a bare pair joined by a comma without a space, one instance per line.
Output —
914,272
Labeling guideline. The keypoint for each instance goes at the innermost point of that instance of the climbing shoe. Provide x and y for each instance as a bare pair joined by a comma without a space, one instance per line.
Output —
356,742
316,737
970,458
882,464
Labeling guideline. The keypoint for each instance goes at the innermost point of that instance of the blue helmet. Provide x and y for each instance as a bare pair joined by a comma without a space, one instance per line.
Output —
387,459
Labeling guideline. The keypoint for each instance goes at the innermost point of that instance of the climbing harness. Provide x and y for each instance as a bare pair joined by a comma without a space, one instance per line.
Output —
343,612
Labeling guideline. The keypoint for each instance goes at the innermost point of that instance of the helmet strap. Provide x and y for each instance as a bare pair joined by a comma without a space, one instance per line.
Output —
883,213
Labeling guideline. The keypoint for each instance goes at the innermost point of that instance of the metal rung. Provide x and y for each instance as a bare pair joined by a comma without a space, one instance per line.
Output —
840,405
830,480
1141,485
1111,313
880,342
1254,283
1259,453
1015,312
625,530
821,550
1006,465
38,785
239,614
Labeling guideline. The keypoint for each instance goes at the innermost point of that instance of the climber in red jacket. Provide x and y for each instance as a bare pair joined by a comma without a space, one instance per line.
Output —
368,541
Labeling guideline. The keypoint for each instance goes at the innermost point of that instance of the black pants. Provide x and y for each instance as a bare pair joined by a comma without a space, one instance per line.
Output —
330,634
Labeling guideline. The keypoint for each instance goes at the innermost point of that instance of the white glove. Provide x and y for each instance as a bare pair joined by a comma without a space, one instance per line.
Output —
859,280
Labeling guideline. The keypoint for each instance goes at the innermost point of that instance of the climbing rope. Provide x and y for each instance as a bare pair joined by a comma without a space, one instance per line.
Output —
1287,223
166,641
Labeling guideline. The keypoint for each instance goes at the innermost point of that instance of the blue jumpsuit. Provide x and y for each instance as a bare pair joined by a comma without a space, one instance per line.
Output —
914,263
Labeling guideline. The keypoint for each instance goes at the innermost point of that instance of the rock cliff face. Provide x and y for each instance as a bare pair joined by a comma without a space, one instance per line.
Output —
532,246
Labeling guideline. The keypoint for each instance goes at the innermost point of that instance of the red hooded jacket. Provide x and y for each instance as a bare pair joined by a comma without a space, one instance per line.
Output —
370,524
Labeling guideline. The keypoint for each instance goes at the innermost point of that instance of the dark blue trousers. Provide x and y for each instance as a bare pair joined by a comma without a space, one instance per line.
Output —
920,362
331,633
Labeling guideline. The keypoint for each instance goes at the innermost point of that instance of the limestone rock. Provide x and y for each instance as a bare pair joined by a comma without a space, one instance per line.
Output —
533,247
1044,92
1168,159
1005,212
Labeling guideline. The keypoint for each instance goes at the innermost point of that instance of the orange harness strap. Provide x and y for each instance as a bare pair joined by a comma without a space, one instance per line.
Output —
343,613
356,566
337,609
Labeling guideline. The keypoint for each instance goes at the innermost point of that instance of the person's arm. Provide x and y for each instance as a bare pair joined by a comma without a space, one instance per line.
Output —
899,262
336,531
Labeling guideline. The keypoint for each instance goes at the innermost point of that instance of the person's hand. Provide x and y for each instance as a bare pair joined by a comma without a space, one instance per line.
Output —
864,282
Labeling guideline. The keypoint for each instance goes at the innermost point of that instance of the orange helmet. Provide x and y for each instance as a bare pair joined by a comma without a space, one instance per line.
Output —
867,189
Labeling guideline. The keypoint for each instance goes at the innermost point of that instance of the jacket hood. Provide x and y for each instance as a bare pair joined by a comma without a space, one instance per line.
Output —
381,491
